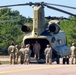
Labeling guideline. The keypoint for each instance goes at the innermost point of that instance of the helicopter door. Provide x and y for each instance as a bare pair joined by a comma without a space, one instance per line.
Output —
42,42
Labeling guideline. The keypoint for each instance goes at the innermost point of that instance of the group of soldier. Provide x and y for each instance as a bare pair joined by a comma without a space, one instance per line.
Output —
14,54
48,54
24,53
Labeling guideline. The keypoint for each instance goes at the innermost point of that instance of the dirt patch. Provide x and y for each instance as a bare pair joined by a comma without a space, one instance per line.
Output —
4,56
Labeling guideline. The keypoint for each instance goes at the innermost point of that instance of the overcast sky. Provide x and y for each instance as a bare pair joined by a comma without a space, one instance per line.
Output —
28,10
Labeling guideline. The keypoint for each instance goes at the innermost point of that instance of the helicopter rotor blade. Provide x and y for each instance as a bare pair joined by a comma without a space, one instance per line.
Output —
30,4
59,18
54,8
39,3
62,18
13,5
61,5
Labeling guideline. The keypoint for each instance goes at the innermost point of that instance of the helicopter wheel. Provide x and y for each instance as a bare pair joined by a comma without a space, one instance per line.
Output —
58,60
65,60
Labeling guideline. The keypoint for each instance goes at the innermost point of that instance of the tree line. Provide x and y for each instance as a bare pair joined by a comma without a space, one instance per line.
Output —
10,28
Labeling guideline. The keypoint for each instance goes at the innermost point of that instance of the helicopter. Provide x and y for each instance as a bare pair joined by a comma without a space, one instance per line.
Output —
46,33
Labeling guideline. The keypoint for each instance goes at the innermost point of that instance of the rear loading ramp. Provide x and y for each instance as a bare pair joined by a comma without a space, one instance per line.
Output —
42,42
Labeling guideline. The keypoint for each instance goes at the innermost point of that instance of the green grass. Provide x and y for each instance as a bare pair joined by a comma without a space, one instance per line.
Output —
4,62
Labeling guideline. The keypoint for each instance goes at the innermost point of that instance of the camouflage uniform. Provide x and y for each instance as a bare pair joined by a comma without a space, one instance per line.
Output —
27,54
11,51
48,54
73,53
22,54
30,51
36,49
16,53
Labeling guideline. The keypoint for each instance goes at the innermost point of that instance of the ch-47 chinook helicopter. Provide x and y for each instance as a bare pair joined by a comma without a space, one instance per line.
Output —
46,33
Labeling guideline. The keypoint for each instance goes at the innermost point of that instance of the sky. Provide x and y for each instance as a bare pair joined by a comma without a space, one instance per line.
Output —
27,11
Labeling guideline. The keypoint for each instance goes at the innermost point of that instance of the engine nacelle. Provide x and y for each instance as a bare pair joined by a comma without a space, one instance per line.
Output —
54,28
25,28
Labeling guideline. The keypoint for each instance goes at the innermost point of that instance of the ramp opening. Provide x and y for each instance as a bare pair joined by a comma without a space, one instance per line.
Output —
42,42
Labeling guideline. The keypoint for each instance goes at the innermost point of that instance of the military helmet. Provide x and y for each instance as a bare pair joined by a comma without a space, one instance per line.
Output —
73,44
27,45
48,45
16,45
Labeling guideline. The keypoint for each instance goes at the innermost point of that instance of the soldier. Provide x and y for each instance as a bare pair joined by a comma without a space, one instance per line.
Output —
11,51
27,54
73,53
48,54
36,49
22,54
16,53
30,51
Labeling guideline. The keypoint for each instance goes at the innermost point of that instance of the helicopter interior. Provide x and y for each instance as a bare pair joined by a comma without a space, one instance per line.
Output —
42,42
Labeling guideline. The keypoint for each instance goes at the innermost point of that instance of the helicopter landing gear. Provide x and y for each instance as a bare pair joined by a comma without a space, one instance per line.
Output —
66,60
58,60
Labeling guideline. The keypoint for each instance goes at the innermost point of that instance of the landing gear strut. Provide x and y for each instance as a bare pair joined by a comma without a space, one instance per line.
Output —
58,60
66,60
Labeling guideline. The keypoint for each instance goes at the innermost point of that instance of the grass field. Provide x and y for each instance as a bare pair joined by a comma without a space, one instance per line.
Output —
4,62
3,59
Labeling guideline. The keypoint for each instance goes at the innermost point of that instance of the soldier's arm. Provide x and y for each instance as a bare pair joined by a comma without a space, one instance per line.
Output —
19,52
9,50
45,51
51,51
70,51
75,51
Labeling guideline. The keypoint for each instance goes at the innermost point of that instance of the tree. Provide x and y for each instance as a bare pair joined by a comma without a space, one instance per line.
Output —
10,27
69,26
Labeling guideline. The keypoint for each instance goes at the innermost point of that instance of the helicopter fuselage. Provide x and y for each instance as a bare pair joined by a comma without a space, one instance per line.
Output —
46,34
